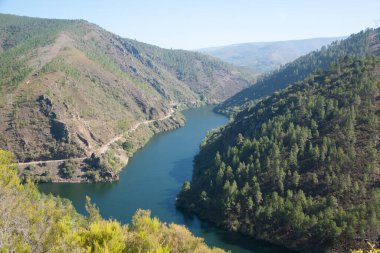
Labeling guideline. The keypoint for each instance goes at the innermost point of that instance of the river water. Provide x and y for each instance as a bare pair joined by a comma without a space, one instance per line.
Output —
153,177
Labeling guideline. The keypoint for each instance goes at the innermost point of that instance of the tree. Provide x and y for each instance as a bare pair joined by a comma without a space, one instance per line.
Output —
67,169
296,178
305,165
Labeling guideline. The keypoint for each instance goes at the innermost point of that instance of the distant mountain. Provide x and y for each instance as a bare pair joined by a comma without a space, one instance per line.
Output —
67,87
266,56
355,45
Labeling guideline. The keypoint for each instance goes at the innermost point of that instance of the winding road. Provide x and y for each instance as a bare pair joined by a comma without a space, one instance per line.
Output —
103,149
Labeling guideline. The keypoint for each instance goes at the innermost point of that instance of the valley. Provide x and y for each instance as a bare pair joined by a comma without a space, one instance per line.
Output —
75,86
299,166
163,164
110,144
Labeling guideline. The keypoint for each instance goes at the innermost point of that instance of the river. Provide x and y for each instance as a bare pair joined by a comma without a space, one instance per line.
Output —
153,177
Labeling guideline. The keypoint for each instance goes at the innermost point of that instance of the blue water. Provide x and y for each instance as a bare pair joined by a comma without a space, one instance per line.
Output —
153,177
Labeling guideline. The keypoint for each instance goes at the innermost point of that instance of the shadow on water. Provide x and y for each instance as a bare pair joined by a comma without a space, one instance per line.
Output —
77,192
168,203
180,171
230,239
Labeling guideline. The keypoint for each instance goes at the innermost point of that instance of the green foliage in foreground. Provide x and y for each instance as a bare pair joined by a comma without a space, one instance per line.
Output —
372,249
300,168
33,222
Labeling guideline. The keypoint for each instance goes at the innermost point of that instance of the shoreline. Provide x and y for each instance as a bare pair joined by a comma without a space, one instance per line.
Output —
72,181
51,168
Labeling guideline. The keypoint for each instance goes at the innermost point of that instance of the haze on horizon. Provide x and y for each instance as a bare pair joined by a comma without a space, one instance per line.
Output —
199,24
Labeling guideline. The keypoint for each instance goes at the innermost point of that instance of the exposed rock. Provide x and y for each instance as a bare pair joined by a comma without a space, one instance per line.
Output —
156,85
58,129
85,142
46,105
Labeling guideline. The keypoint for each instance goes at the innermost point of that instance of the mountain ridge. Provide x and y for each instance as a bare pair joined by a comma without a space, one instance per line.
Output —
266,56
355,45
69,86
300,166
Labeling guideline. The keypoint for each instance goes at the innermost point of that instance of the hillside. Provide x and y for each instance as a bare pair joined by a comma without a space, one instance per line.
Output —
300,168
266,56
33,222
356,45
68,87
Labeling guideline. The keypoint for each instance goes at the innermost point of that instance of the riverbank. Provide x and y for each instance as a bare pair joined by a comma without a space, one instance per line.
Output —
106,162
153,178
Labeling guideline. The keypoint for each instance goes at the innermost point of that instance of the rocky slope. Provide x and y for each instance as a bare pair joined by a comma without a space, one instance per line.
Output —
68,87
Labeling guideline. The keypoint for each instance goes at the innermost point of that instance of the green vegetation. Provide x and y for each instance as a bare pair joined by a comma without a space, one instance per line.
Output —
200,72
127,146
19,36
301,168
357,45
68,168
262,57
372,249
97,169
33,222
68,86
29,174
111,161
59,64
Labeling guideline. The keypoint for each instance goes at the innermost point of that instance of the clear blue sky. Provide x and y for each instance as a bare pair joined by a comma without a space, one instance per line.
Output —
191,24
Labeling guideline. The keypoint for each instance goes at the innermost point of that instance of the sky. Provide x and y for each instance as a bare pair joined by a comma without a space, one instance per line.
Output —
194,24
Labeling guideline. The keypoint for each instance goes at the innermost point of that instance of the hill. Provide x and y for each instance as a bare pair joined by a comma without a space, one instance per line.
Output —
301,167
68,88
355,45
266,56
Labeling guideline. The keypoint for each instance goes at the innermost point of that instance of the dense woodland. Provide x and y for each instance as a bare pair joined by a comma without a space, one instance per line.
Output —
301,167
33,222
357,45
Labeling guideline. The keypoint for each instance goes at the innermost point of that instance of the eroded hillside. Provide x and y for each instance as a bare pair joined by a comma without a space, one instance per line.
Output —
69,87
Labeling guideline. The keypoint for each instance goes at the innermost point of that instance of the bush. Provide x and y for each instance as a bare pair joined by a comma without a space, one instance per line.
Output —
33,222
127,145
67,169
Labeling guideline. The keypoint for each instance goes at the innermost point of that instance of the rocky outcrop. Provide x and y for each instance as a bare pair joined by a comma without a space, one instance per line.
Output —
85,142
58,129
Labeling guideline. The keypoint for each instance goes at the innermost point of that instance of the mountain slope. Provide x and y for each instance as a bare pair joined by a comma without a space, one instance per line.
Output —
300,168
355,45
68,87
266,56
